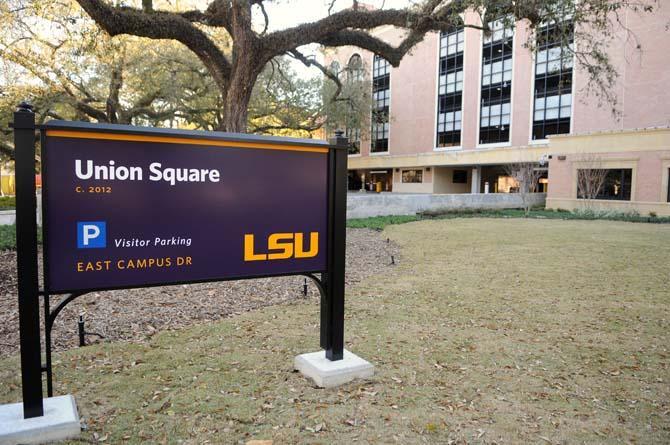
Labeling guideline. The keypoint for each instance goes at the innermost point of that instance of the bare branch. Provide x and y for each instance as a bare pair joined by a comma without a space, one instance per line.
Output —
590,177
265,17
330,7
526,175
328,73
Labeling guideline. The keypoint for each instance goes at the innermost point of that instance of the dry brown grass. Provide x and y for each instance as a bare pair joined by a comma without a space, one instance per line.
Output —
488,331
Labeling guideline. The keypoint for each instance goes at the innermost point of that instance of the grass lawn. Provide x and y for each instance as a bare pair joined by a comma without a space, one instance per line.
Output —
487,331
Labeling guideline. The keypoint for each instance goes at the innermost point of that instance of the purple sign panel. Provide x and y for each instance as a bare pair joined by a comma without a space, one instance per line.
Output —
127,210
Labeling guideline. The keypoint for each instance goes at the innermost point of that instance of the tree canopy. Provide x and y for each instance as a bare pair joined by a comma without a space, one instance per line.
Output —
220,67
55,56
236,68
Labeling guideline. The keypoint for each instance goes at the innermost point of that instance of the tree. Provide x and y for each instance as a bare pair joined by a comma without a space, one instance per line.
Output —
526,175
590,178
347,101
79,70
284,104
235,69
69,69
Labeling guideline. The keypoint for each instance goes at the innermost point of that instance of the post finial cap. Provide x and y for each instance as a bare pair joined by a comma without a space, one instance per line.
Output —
25,107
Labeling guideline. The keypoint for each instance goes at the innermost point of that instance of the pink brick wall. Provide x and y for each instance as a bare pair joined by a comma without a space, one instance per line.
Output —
643,88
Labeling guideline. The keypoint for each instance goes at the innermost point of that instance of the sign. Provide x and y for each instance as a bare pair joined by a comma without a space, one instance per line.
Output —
128,206
123,209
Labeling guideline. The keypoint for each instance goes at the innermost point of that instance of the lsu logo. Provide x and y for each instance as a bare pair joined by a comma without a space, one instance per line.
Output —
282,246
91,235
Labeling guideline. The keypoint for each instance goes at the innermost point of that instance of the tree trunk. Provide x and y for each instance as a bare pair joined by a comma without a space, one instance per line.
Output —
238,95
235,109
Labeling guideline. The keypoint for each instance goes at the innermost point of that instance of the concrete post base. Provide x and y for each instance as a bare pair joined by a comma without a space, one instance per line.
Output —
327,374
60,422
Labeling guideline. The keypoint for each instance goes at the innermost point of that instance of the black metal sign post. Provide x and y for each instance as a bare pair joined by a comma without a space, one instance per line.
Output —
26,259
332,309
331,283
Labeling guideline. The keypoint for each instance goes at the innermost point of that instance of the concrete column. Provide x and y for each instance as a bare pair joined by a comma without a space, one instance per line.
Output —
474,181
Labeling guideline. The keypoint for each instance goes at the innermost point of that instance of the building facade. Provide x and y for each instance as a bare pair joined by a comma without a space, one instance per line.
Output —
464,106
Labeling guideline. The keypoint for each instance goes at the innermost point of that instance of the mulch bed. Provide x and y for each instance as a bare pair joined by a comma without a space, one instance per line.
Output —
137,314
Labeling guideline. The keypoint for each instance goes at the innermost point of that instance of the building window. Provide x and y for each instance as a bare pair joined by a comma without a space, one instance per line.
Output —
450,91
460,177
412,176
355,71
616,185
354,136
553,80
496,84
381,97
335,67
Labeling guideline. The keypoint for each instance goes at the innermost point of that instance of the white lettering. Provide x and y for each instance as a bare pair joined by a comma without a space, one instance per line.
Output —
78,172
155,170
112,172
90,232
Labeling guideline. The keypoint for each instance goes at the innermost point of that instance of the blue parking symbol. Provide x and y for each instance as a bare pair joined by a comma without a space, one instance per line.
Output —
91,235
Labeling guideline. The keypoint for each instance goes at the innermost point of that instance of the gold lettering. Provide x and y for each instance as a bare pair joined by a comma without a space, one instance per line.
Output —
313,245
249,254
282,242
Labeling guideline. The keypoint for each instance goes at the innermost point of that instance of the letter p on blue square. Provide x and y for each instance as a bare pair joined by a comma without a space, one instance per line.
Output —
91,235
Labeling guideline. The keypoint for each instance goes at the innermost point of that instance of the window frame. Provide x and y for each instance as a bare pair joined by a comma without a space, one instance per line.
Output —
561,124
353,135
449,105
487,43
626,193
355,74
462,176
380,116
418,173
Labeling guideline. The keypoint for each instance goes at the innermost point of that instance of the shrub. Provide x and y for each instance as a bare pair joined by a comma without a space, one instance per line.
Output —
7,202
379,222
615,215
8,237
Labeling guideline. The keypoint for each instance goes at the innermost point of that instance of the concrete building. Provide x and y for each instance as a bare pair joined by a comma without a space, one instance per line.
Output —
463,105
